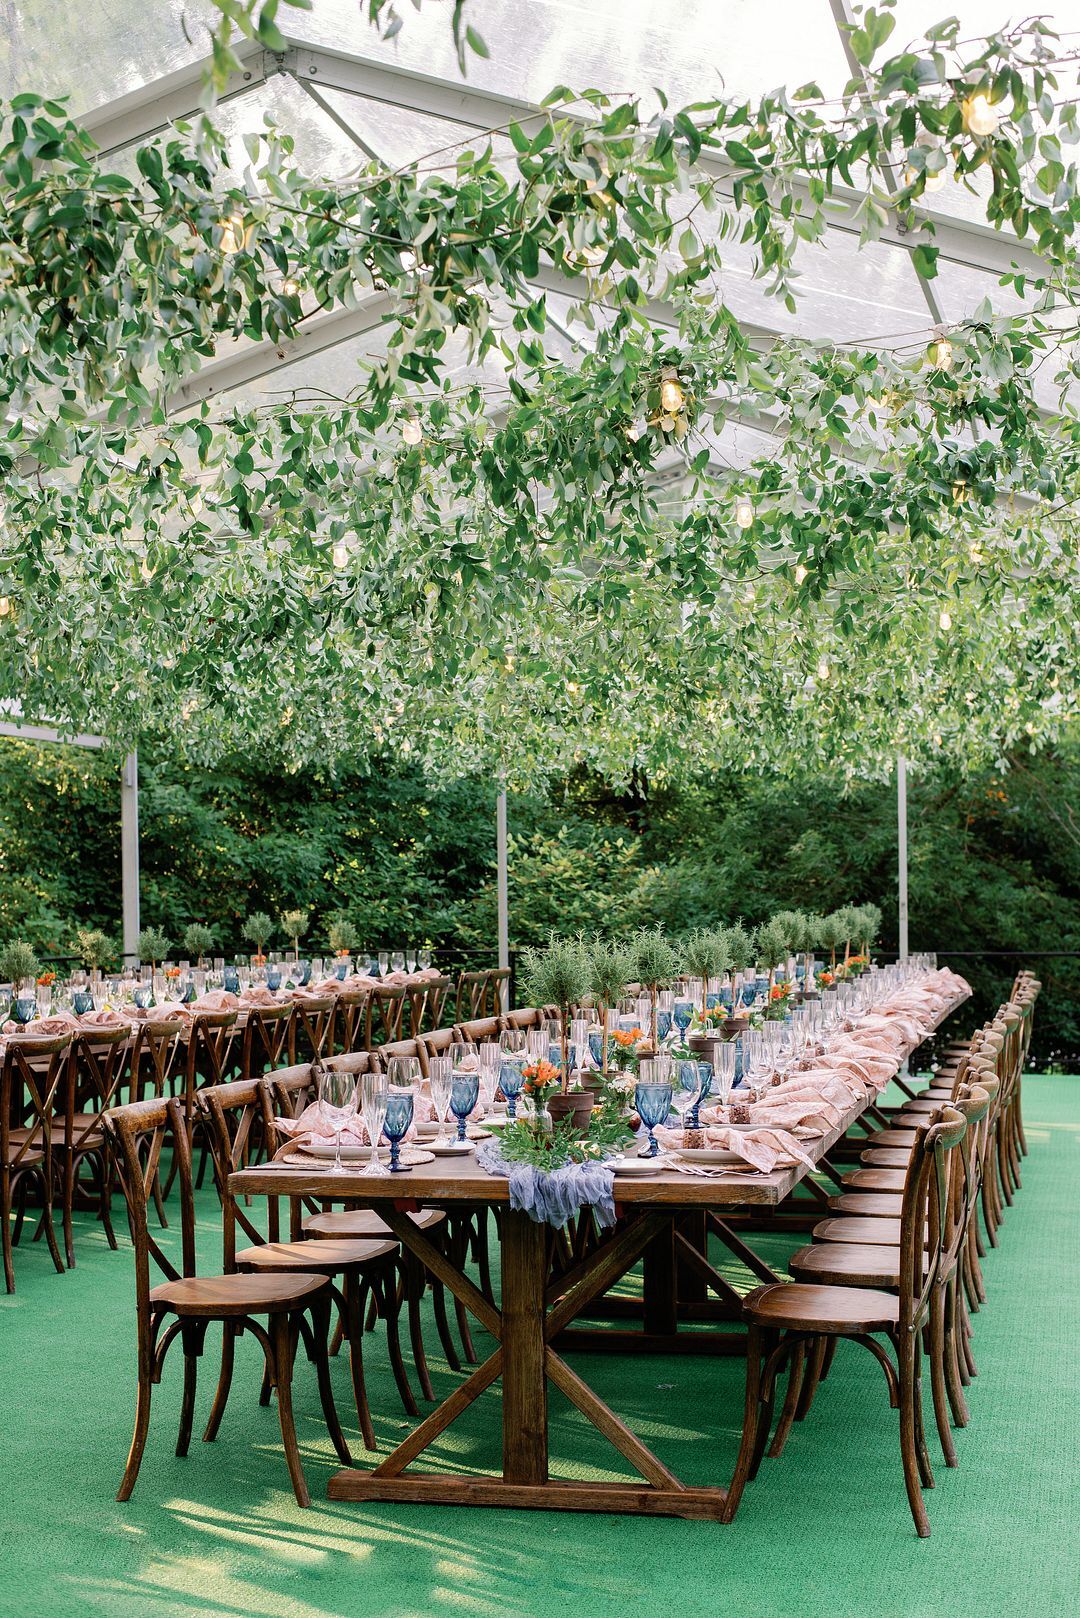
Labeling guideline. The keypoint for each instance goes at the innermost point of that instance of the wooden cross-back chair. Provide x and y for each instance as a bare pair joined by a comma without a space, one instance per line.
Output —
100,1065
783,1318
426,1002
384,1015
384,1054
480,1031
349,1032
479,994
240,1114
294,1306
35,1075
311,1031
288,1092
264,1041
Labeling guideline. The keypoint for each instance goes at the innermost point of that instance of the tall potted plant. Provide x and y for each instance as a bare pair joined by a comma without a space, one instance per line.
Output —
656,962
740,947
849,921
831,935
20,966
153,945
198,941
772,944
294,924
341,935
258,929
559,976
94,948
610,968
869,928
706,955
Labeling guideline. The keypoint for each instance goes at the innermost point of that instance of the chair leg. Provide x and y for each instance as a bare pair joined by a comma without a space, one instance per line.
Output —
953,1381
925,1470
221,1394
908,1442
938,1350
48,1226
354,1318
751,1420
187,1405
815,1372
138,1441
442,1323
281,1338
106,1163
316,1340
5,1232
389,1311
791,1401
67,1197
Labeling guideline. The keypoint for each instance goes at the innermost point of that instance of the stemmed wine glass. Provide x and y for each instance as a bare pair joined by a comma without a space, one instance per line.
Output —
440,1075
374,1095
399,1115
337,1104
652,1101
511,1080
490,1057
686,1093
397,961
683,1014
464,1090
724,1056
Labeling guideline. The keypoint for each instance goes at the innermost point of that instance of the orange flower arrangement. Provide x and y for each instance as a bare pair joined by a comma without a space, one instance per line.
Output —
539,1076
627,1038
779,991
826,979
172,971
46,978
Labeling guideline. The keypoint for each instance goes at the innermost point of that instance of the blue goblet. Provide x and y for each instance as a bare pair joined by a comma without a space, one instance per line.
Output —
511,1080
683,1014
142,996
653,1104
464,1090
340,970
273,977
705,1078
24,1007
399,1115
304,977
596,1048
82,1001
663,1024
232,980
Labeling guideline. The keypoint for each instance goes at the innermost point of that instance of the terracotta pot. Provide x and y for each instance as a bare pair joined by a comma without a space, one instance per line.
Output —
577,1106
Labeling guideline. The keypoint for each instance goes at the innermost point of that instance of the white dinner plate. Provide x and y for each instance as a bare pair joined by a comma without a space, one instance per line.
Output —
451,1148
637,1165
350,1153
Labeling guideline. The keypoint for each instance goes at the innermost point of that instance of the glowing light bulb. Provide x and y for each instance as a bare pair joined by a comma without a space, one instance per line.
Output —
572,687
232,233
744,511
411,430
945,618
935,182
980,117
146,570
823,668
341,553
937,738
672,397
289,287
941,354
1030,727
975,551
800,574
5,606
635,430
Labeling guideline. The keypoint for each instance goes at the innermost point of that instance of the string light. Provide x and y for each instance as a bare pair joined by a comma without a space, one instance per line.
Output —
341,553
232,233
980,117
744,511
941,354
800,574
672,397
823,668
5,606
411,430
945,618
289,287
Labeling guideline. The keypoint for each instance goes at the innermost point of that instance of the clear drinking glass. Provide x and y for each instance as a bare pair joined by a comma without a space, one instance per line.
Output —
724,1056
384,962
337,1103
374,1094
397,961
440,1075
489,1070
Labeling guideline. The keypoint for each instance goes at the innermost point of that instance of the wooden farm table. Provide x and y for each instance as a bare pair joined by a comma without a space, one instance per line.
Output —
535,1310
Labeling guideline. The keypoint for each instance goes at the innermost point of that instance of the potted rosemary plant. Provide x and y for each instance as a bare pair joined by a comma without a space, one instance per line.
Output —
610,969
559,976
198,940
655,966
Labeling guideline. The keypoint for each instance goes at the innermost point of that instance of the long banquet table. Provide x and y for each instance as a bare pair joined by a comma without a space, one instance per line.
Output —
535,1313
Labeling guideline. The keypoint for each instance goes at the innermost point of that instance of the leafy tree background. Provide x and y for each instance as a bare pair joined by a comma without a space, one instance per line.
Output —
995,859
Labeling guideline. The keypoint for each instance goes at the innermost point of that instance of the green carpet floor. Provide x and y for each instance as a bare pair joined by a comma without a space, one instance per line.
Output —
824,1532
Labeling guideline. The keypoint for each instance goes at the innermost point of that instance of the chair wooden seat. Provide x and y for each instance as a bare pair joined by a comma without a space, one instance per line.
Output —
867,1204
318,1258
922,1107
875,1179
879,1232
28,1157
892,1137
361,1222
885,1157
795,1306
220,1297
847,1264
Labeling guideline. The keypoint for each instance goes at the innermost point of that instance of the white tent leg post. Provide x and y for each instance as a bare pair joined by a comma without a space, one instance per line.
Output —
902,853
503,892
129,855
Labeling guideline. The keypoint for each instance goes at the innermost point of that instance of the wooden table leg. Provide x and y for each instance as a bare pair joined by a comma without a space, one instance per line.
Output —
660,1298
524,1403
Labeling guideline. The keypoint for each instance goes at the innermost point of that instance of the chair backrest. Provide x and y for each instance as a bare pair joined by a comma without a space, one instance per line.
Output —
526,1017
385,1013
473,991
312,1028
35,1079
351,1021
929,1213
155,1051
99,1066
479,1031
426,1001
264,1040
241,1126
210,1046
138,1131
382,1057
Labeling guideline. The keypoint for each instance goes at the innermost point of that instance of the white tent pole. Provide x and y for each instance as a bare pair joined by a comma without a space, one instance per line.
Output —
902,852
503,890
129,854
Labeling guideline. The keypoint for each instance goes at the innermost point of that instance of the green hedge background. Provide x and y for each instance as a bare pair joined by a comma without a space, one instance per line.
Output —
994,860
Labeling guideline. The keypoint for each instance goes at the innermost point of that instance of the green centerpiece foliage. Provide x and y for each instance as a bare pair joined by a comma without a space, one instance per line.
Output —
258,929
18,964
153,945
831,934
656,962
294,924
558,976
198,940
342,936
706,954
611,967
94,948
548,1147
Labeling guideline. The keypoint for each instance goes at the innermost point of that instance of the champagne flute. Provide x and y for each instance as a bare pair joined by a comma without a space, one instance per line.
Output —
440,1077
374,1094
